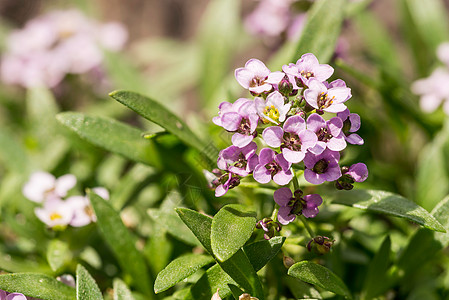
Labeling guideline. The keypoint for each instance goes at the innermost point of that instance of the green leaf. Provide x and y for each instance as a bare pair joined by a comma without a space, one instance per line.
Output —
231,227
219,29
121,291
41,109
236,292
215,278
155,112
171,222
387,203
37,286
432,180
121,242
319,276
376,280
440,212
86,287
241,270
58,253
199,224
321,31
430,20
259,253
17,264
179,269
300,289
112,136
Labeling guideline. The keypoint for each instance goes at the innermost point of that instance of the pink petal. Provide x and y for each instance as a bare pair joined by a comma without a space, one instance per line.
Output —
283,178
244,77
282,196
315,122
266,156
241,140
293,156
295,124
64,183
261,174
284,215
354,139
257,67
273,136
231,121
313,177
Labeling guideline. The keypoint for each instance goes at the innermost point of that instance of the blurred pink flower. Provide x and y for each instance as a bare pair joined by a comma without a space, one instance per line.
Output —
55,44
43,186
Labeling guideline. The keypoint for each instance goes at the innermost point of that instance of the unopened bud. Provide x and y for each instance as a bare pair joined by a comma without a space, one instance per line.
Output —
320,244
246,296
285,87
288,261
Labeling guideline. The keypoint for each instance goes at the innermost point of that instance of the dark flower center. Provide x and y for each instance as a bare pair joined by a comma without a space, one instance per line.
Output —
273,167
324,135
307,74
320,166
257,81
324,101
291,141
241,162
346,126
245,127
297,203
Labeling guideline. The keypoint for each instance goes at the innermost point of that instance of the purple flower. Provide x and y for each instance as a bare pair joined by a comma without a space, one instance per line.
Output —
329,100
322,167
240,161
43,186
270,18
239,117
253,76
292,206
272,166
11,296
355,173
329,133
273,108
351,123
434,90
307,68
294,139
225,182
83,213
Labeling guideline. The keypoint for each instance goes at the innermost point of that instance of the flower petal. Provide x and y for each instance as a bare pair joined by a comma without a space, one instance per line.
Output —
273,136
282,196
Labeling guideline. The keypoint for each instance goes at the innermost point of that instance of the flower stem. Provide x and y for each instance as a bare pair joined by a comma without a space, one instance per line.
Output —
274,215
295,182
306,225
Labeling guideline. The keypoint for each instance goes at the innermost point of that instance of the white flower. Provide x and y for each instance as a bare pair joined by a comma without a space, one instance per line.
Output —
43,186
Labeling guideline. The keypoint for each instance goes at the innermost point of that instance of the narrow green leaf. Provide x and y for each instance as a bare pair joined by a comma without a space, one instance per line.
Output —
319,276
121,242
155,112
376,280
440,212
236,292
219,29
430,20
242,272
300,289
112,136
259,253
231,227
171,222
37,286
121,291
321,30
387,203
179,269
199,224
13,155
41,110
16,265
86,287
58,253
432,180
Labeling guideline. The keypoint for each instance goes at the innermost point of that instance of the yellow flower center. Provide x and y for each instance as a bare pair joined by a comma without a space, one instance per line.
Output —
55,216
271,112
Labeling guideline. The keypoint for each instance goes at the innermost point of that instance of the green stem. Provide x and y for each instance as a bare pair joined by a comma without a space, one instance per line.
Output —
274,215
295,183
306,225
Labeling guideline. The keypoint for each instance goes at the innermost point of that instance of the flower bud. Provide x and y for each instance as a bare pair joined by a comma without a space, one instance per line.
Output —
288,261
320,244
246,296
285,87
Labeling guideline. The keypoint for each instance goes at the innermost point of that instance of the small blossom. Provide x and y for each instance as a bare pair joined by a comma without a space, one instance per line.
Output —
269,226
307,68
273,108
320,244
67,279
11,296
83,213
356,173
351,123
295,205
43,186
329,133
294,139
322,167
272,166
225,182
434,90
56,214
270,18
253,76
240,161
239,117
323,99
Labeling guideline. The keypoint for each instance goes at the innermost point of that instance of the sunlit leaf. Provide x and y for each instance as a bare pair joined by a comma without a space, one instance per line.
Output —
86,287
121,291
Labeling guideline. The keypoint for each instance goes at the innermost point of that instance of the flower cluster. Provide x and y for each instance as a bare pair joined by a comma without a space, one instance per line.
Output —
288,112
56,44
434,89
57,212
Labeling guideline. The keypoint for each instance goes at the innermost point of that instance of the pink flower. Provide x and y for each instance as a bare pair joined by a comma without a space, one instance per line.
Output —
272,166
56,213
273,108
434,90
322,167
307,68
44,186
253,76
240,161
329,133
329,100
294,139
270,18
351,123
